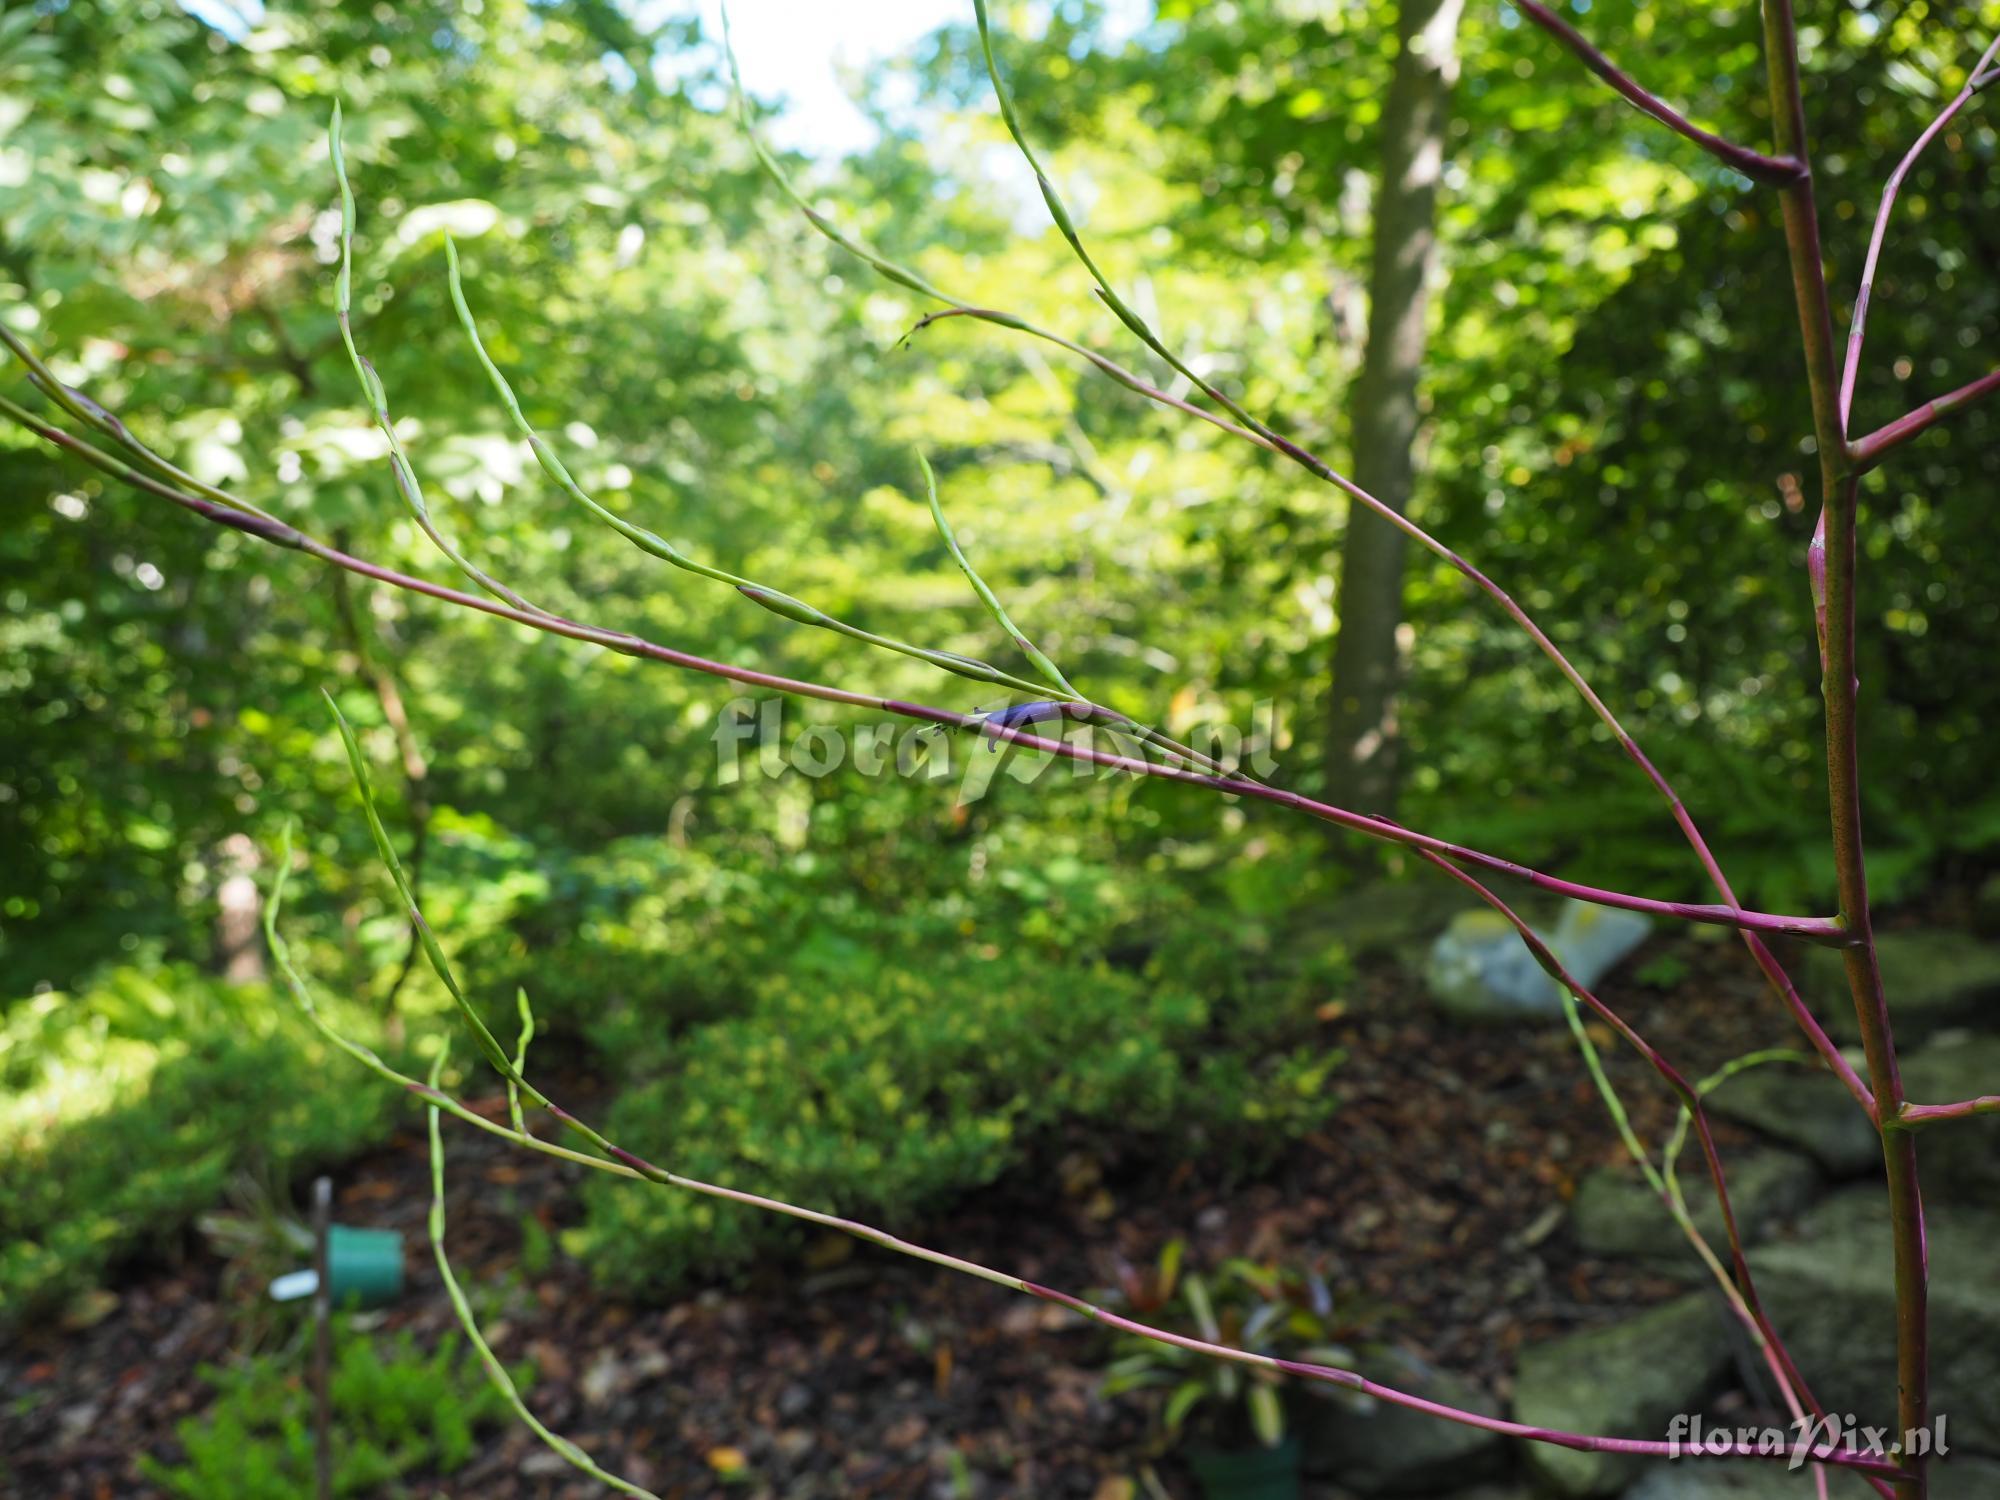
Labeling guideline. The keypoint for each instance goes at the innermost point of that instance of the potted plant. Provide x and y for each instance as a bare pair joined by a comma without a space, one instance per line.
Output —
1226,1420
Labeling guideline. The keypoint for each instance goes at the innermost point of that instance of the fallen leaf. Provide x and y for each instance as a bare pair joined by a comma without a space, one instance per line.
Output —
549,1360
88,1309
604,1379
830,1250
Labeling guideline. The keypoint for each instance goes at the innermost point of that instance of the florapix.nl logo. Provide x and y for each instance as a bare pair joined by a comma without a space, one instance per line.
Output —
1805,1439
769,738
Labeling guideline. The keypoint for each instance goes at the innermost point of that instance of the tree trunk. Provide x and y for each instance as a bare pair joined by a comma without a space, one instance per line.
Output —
239,939
1362,752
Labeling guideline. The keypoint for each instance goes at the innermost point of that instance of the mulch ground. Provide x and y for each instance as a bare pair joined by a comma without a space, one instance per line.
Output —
1434,1201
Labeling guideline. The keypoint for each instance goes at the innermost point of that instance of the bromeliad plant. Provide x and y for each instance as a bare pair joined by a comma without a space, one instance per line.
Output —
82,427
1266,1310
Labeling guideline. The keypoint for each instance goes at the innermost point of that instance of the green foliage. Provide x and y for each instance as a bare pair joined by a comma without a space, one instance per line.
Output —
538,1248
132,1105
885,1098
1664,972
397,1413
852,1036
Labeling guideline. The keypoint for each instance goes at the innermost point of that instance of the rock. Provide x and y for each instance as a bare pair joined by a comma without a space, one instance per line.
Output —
1807,1109
1936,979
1961,1158
1629,1379
1383,1449
1481,970
1592,940
1828,1290
545,1463
1812,1111
1616,1213
1960,1478
795,1400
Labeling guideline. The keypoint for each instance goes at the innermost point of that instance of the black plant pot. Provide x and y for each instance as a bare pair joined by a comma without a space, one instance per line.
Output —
1248,1473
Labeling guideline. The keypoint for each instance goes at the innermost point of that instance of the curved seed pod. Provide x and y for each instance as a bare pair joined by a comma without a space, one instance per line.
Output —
1028,648
377,399
782,604
776,600
1066,226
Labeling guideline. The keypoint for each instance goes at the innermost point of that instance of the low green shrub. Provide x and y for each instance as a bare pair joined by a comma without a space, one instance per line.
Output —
628,946
397,1412
128,1108
886,1099
631,946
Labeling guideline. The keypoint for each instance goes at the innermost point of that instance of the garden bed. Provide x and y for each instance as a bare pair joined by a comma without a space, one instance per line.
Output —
1435,1202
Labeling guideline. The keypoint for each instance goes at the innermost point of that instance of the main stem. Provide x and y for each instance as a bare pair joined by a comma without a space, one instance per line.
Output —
1840,487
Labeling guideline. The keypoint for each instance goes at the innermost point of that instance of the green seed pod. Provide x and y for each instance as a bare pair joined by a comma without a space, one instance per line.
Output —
782,604
965,666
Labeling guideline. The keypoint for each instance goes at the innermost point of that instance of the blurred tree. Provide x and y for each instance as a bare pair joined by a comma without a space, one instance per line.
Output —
164,225
1363,748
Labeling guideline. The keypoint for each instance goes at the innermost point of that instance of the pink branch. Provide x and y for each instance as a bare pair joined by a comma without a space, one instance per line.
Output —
1867,452
1773,171
1774,972
1327,1374
1822,930
627,1163
1916,1116
1266,437
1858,331
1766,961
1869,1468
1784,170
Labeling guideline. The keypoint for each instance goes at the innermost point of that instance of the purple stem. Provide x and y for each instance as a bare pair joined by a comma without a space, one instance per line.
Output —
1839,687
1816,582
1777,171
1821,930
1916,1116
1352,1381
1858,330
1264,436
1865,453
1773,171
1766,961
